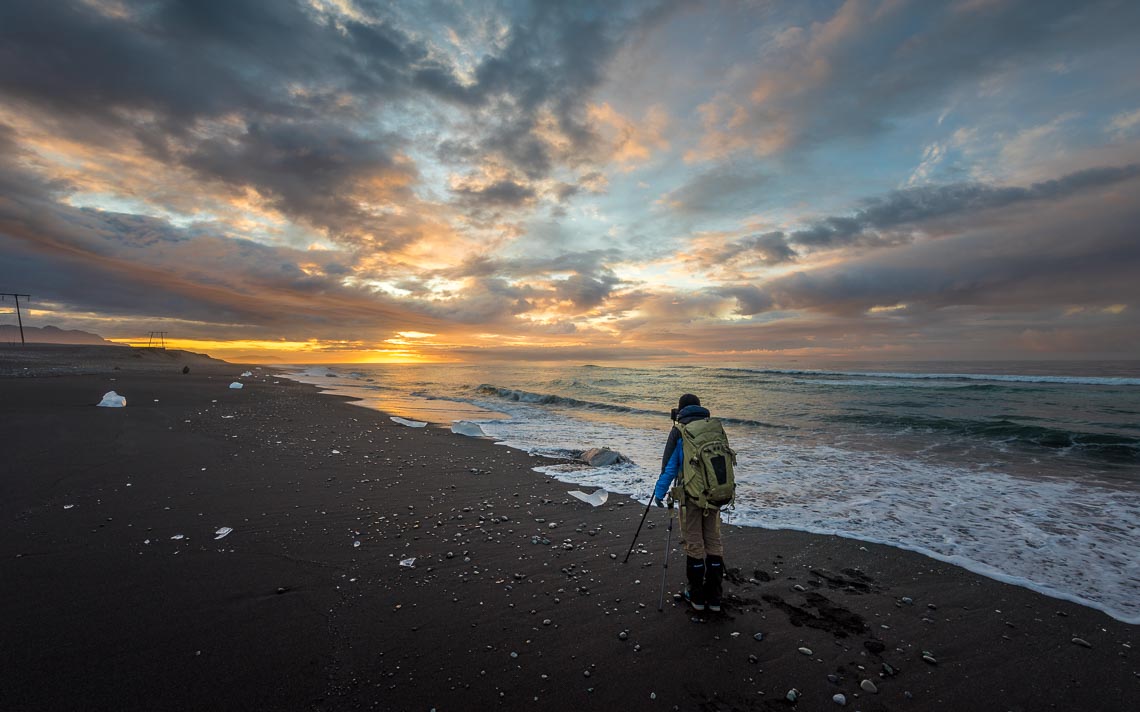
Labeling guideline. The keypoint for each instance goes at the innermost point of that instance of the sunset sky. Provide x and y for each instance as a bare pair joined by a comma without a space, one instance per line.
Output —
348,180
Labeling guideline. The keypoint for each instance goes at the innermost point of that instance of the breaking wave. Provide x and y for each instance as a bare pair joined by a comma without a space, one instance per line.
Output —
998,378
519,396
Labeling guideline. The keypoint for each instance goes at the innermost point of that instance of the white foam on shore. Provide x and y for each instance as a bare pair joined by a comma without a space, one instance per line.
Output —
1061,538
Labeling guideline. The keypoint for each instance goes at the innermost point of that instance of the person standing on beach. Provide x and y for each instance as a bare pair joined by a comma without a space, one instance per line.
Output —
699,517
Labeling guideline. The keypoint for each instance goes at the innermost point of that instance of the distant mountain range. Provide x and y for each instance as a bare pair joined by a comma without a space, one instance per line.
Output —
10,333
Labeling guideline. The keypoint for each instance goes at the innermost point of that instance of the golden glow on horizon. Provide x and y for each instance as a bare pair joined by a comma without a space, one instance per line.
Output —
311,351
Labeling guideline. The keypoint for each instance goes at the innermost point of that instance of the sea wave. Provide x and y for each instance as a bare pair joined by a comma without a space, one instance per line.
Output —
999,378
1105,446
521,396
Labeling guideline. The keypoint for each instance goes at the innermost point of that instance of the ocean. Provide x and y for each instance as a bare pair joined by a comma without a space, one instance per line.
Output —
1028,473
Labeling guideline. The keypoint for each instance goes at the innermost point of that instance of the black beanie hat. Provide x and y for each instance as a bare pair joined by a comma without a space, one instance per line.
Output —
687,400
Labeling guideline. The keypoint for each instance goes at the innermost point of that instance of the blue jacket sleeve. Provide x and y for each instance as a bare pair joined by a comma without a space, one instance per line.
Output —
671,469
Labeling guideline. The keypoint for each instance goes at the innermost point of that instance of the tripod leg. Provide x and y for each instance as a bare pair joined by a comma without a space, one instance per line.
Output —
665,565
643,515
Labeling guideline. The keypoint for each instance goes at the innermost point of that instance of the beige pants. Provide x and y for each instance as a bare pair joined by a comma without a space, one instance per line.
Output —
700,532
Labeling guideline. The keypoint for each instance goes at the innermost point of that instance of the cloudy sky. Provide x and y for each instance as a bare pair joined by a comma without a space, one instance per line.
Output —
342,180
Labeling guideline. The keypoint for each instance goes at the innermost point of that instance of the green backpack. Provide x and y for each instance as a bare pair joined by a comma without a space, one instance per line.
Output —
707,466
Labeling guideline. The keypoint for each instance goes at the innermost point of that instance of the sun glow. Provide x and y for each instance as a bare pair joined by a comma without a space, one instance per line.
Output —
311,351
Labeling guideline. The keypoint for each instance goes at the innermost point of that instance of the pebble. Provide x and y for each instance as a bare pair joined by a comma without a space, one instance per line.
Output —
758,636
546,621
928,658
623,635
793,695
585,673
798,587
869,686
805,651
833,679
888,670
1082,642
907,600
839,699
753,659
514,654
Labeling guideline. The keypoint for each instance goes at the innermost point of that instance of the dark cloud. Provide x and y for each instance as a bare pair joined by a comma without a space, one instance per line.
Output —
895,218
554,58
873,62
586,291
1079,252
317,172
769,248
726,187
913,206
484,300
749,298
187,59
503,193
138,268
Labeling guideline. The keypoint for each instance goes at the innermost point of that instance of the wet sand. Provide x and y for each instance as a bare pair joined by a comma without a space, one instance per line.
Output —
518,597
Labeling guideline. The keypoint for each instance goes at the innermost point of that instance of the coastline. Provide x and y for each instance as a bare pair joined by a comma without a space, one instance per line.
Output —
285,612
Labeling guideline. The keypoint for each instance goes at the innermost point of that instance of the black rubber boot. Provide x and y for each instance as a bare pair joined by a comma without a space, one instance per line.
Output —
713,574
695,570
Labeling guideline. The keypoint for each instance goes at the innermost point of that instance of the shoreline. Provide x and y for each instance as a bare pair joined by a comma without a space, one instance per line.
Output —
977,567
286,612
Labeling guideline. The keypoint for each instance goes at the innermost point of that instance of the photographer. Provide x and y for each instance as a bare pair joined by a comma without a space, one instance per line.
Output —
699,516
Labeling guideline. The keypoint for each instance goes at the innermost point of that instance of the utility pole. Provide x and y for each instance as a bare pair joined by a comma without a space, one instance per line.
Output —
19,318
157,338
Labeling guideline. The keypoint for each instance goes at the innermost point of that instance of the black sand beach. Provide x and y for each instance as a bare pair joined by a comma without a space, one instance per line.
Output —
517,598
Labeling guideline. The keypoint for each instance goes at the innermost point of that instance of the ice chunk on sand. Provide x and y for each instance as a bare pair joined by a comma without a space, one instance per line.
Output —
222,533
410,563
178,537
596,498
246,374
603,457
409,423
463,427
112,399
235,384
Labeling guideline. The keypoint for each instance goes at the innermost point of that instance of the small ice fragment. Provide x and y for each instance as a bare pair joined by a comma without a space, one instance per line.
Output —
463,427
410,563
246,374
235,385
409,423
178,537
112,399
221,533
355,544
227,416
336,452
596,498
146,541
68,506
